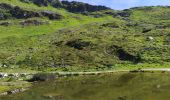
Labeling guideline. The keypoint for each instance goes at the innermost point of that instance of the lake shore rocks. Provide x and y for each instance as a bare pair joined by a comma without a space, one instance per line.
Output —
13,91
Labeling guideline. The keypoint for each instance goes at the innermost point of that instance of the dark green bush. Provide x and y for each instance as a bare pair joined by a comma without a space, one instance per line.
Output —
43,77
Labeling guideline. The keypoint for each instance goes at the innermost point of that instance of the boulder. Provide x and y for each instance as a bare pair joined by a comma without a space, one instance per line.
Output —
1,16
5,23
5,6
150,38
145,30
51,15
19,13
79,7
125,13
55,3
123,54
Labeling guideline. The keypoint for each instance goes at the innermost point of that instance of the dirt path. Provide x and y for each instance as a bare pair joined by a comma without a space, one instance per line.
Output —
89,73
112,71
96,72
156,69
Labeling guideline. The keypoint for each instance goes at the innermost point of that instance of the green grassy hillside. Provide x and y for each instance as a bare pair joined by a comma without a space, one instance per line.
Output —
97,40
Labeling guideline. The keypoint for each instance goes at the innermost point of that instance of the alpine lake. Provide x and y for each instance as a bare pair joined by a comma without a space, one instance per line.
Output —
110,86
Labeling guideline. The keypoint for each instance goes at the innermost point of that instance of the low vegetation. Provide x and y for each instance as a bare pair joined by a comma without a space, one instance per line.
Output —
48,34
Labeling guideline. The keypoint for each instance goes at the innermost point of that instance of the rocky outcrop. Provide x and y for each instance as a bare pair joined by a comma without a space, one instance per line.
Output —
4,11
16,75
55,3
19,13
5,23
51,15
7,11
5,6
124,13
75,7
123,54
79,7
16,91
13,91
78,44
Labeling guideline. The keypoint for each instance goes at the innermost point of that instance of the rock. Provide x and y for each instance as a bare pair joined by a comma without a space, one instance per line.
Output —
53,96
9,11
78,44
79,7
124,13
23,74
40,2
16,75
5,6
11,75
1,16
145,30
111,13
158,86
5,23
5,65
126,19
124,55
1,76
12,92
5,75
150,38
122,98
1,65
54,3
4,93
76,7
16,91
51,15
19,13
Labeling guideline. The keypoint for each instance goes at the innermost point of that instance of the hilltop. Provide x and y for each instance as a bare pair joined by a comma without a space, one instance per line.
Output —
66,36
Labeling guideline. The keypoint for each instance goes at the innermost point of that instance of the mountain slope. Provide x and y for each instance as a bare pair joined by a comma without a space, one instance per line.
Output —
82,40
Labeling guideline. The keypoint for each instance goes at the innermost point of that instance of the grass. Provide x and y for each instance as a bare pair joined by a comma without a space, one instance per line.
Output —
18,30
33,7
85,43
8,86
18,70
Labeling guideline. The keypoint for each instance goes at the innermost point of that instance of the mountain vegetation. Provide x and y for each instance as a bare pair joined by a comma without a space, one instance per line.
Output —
68,36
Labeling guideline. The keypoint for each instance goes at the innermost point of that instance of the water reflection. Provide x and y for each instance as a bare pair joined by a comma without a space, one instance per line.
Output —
117,86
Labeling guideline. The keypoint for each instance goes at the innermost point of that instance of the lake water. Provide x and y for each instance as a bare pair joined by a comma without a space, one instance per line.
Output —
116,86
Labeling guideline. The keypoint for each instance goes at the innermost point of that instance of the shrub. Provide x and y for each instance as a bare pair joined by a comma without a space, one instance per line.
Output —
43,77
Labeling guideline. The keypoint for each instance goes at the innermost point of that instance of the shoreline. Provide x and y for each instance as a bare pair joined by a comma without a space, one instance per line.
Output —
67,74
18,75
